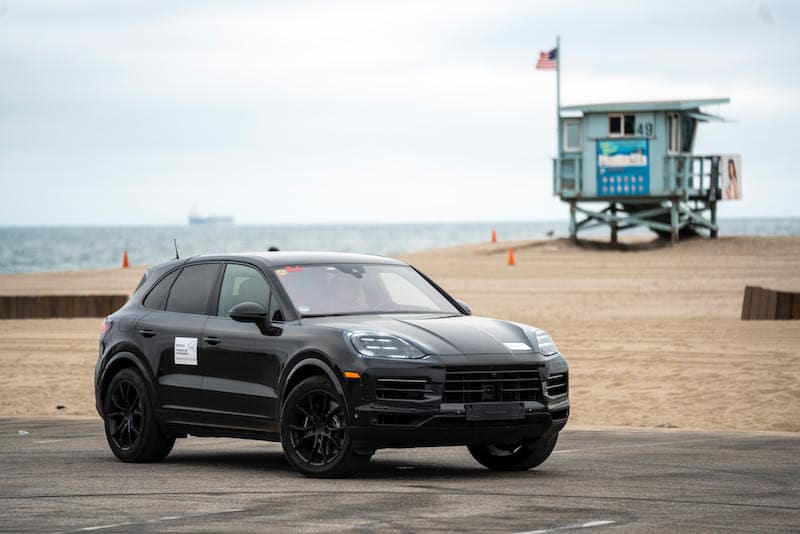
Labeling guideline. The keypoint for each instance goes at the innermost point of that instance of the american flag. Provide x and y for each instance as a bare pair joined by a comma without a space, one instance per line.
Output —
548,60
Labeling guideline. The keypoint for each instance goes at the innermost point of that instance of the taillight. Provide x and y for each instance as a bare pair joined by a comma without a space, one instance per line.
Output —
105,327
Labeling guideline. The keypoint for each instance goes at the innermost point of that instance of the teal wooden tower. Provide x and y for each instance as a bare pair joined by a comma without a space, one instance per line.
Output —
632,164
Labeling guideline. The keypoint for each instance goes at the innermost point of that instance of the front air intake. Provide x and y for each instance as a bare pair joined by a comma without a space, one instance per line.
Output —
557,385
401,388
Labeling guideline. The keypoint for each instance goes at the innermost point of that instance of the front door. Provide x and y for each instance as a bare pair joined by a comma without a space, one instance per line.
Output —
240,368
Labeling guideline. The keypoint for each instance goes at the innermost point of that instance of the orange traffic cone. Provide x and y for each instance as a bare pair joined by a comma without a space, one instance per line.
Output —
494,235
511,259
125,263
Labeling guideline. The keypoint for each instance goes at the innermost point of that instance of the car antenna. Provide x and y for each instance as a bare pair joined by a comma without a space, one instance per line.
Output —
175,242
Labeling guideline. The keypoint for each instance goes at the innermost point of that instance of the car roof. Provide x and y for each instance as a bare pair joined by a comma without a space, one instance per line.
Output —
279,258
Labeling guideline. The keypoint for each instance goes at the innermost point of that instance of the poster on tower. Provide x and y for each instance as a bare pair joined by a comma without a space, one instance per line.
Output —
730,176
623,167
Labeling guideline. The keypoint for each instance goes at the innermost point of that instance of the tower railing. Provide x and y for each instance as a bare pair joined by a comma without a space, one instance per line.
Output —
686,176
691,175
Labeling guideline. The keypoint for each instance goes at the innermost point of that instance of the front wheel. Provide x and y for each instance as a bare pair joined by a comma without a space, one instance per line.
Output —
314,431
520,457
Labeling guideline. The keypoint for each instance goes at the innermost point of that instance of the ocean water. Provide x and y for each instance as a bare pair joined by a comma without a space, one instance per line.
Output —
71,248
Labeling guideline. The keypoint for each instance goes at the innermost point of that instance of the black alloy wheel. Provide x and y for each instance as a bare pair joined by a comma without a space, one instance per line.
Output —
125,419
132,431
314,431
317,429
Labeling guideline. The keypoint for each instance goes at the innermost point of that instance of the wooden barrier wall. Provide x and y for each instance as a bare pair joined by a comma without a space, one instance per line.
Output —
59,306
767,304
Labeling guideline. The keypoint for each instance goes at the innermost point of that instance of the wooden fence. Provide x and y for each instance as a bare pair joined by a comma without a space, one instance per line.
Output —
766,304
59,306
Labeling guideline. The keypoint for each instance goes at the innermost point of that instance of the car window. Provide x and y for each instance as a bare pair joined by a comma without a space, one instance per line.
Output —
158,295
192,289
241,284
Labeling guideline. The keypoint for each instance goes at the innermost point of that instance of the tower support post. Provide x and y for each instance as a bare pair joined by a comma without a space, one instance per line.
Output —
713,207
613,210
673,220
573,228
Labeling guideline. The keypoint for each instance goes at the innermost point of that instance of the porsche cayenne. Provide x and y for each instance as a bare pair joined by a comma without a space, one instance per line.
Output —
334,355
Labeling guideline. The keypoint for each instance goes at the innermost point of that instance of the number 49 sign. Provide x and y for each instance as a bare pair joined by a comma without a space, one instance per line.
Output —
644,129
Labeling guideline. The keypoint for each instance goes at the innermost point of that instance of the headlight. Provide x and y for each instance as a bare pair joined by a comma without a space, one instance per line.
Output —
541,339
382,345
545,343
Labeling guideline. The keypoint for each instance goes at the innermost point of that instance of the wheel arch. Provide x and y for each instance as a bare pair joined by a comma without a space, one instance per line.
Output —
124,360
306,365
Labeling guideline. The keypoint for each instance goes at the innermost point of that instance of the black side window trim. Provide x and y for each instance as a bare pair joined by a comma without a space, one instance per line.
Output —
164,305
141,282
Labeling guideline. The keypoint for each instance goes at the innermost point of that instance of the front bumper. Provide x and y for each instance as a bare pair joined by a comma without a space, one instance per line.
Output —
377,428
429,417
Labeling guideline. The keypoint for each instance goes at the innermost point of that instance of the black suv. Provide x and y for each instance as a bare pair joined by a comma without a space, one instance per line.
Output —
333,355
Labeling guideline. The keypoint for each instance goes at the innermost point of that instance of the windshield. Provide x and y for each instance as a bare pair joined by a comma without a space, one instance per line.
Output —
350,288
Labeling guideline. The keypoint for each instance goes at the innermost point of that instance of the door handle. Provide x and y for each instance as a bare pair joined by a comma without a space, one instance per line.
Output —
212,340
147,333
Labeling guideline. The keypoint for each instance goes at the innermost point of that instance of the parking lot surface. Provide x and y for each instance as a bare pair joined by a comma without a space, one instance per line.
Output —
61,477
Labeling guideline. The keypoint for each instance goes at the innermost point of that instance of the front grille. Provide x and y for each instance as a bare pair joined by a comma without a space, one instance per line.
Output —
557,385
401,388
492,385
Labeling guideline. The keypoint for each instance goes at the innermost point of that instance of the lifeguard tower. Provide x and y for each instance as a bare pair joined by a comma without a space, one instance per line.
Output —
631,164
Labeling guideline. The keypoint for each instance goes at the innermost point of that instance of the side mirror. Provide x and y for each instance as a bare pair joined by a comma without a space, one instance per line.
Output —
467,310
248,312
253,312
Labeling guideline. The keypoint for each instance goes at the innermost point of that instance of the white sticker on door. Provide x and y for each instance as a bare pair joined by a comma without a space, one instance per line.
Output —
186,351
517,346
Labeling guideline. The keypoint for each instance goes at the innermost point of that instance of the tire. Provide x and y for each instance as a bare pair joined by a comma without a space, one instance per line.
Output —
314,431
518,458
132,432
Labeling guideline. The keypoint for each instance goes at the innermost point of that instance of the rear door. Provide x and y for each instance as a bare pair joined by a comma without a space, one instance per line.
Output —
172,336
239,363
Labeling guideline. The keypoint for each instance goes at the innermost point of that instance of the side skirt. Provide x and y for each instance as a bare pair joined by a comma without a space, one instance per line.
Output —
181,423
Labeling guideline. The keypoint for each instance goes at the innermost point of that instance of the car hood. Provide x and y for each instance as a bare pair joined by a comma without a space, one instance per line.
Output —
440,334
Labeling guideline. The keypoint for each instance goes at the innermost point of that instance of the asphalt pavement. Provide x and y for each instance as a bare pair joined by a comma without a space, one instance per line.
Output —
62,478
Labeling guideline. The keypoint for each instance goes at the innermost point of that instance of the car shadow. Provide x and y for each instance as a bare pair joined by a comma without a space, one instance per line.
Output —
378,468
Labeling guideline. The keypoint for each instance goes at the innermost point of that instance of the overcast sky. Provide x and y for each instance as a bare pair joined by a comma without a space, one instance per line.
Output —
302,112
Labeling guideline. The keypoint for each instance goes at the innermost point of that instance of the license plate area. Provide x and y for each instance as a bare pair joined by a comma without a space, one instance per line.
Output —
495,411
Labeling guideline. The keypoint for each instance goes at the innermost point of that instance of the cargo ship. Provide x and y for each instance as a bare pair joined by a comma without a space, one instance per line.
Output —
196,218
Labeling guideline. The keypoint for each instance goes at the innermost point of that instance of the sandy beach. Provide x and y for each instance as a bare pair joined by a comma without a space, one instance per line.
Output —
652,334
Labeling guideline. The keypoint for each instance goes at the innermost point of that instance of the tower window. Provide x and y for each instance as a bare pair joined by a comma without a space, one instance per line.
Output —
621,125
572,135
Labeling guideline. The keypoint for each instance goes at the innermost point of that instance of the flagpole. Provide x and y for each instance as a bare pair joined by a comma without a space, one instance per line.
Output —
558,96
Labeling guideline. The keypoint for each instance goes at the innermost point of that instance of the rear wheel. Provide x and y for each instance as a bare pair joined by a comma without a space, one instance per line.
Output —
131,428
314,431
519,457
